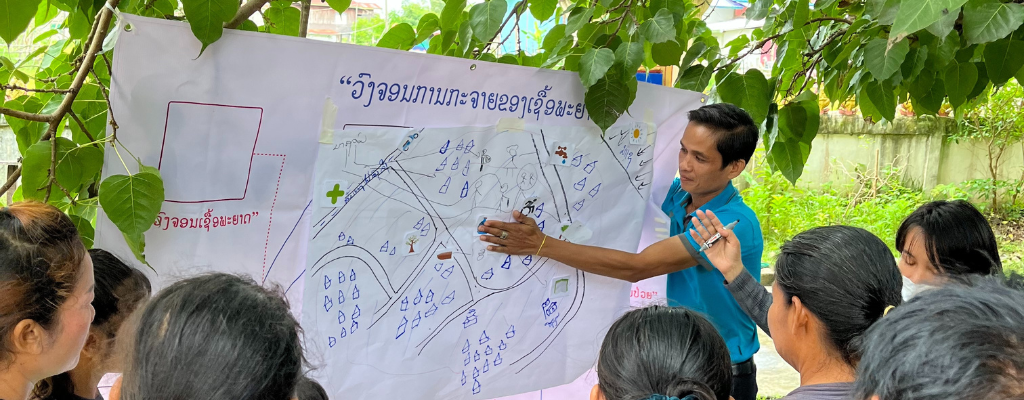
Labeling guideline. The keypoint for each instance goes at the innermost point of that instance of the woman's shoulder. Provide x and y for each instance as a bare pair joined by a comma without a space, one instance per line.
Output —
824,391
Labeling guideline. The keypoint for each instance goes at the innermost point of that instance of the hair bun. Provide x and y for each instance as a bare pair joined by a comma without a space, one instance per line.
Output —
690,389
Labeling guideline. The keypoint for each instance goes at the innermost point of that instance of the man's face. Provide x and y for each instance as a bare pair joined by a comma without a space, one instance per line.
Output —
700,163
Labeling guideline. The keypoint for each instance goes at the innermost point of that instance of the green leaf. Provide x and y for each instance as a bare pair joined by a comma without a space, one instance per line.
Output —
594,64
695,51
1003,59
485,18
989,20
927,93
577,18
75,166
659,29
911,19
959,80
803,9
749,91
85,230
45,13
400,37
980,84
341,6
552,38
798,125
944,25
666,53
249,26
15,16
630,55
915,62
26,132
283,20
132,201
758,9
695,78
543,9
884,11
883,62
608,99
451,14
882,98
428,24
466,40
207,18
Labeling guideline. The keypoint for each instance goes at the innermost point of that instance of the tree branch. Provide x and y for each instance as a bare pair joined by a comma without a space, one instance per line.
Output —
304,18
82,127
25,89
751,50
835,19
521,5
244,12
11,180
51,175
25,115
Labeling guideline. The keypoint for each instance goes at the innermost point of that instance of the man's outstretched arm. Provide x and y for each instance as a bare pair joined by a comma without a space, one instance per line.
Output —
525,238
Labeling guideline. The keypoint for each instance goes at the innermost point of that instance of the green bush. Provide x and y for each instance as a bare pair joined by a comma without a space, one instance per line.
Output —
880,206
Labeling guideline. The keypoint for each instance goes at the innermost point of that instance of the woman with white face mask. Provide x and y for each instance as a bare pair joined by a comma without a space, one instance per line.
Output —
942,240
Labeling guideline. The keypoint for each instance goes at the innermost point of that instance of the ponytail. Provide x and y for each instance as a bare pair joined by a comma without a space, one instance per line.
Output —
690,389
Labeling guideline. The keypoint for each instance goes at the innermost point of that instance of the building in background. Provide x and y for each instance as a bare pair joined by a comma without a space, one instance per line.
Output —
325,23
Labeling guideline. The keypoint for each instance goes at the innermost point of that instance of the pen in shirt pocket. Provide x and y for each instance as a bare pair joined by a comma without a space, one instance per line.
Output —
718,236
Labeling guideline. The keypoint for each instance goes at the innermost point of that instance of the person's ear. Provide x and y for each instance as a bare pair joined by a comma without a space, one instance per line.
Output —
595,393
95,345
875,397
801,317
29,337
736,168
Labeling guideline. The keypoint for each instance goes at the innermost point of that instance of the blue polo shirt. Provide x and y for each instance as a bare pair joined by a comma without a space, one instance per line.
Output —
701,288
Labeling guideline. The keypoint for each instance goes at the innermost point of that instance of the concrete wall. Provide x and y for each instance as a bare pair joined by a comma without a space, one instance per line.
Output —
916,146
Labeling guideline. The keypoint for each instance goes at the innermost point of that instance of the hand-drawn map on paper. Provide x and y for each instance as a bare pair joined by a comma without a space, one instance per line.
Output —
393,320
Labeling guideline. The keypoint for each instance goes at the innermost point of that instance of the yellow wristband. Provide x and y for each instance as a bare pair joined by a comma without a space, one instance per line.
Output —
542,245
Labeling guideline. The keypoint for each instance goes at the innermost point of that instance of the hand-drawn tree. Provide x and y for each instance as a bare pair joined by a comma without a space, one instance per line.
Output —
873,54
411,241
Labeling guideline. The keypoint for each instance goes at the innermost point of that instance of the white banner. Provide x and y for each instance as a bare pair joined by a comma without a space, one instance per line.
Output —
235,134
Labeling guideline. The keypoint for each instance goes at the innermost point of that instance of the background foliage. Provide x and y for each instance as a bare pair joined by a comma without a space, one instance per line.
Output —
875,53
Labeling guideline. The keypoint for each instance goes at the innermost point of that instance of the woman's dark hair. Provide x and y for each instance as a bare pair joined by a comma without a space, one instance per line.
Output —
957,237
952,342
40,262
845,276
735,131
215,336
664,350
119,290
308,389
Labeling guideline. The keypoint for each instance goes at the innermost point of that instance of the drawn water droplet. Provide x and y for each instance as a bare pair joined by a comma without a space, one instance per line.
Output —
484,338
393,250
331,341
341,316
443,164
469,359
448,299
419,297
437,267
341,276
576,161
343,333
487,366
356,312
595,190
579,204
355,292
419,224
416,321
448,272
385,247
355,325
444,188
497,360
508,263
527,260
511,332
327,282
463,378
502,345
465,347
582,184
431,311
430,296
590,167
488,351
341,296
476,386
328,304
405,304
476,356
465,190
352,276
401,328
487,274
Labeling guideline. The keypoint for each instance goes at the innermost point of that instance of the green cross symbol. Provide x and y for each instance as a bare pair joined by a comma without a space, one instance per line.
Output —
335,193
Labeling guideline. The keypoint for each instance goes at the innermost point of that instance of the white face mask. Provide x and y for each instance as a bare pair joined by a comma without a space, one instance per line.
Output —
909,289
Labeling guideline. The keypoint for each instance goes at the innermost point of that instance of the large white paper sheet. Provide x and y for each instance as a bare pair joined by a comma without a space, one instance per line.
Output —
394,320
250,107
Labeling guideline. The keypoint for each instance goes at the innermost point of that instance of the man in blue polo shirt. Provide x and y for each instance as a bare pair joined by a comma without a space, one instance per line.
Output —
716,146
